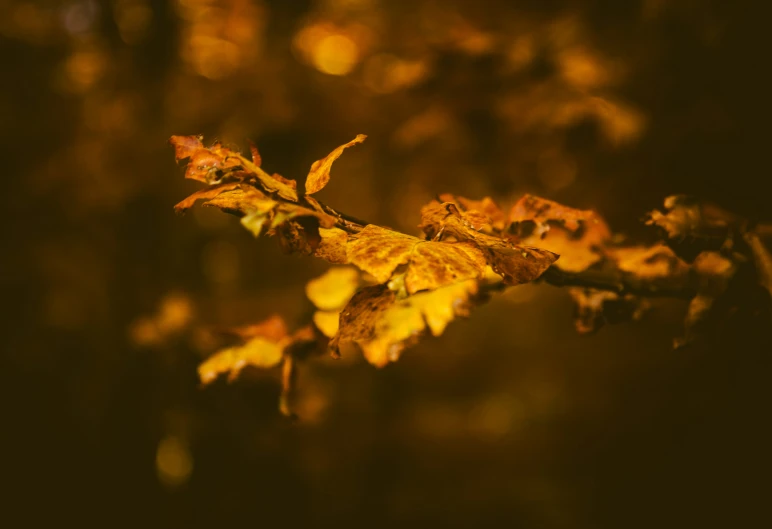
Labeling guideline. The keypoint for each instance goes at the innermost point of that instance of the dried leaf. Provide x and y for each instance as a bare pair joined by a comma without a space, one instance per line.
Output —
649,262
576,253
578,236
714,273
204,194
380,251
542,211
595,308
382,325
217,163
320,169
693,226
259,213
332,247
495,216
479,215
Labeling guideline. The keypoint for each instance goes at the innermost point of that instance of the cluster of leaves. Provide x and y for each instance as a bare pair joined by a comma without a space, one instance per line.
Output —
392,288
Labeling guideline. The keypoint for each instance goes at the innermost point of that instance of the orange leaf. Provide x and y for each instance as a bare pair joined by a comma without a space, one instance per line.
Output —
320,169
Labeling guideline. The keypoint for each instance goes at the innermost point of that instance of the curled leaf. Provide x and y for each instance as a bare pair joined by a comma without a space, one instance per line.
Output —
216,164
319,175
693,226
382,325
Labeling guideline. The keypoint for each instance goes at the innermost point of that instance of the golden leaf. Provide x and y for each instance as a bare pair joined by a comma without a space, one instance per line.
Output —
214,164
265,344
380,251
649,262
320,169
259,213
514,263
327,322
576,254
333,289
577,235
332,247
542,211
382,325
329,293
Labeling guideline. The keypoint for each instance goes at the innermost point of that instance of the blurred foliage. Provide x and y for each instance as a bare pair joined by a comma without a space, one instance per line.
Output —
600,104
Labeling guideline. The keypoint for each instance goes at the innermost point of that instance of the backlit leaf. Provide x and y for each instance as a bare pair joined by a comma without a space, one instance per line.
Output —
380,251
382,325
320,169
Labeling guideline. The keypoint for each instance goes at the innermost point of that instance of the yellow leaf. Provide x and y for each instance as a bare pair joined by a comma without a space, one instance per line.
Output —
380,251
320,169
382,325
327,322
333,289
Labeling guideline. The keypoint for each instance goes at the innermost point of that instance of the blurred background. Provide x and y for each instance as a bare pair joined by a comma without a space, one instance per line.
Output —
510,418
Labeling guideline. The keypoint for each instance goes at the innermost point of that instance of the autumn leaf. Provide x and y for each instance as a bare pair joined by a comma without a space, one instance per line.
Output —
479,215
259,213
333,289
264,346
713,273
319,175
330,292
486,206
649,262
514,263
692,226
542,212
576,253
332,247
380,251
382,325
578,236
216,164
594,308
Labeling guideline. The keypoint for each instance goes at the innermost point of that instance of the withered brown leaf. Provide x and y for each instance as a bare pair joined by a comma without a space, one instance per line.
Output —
319,175
382,325
595,308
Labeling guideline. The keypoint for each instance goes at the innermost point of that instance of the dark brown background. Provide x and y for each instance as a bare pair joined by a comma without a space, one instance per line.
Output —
510,418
